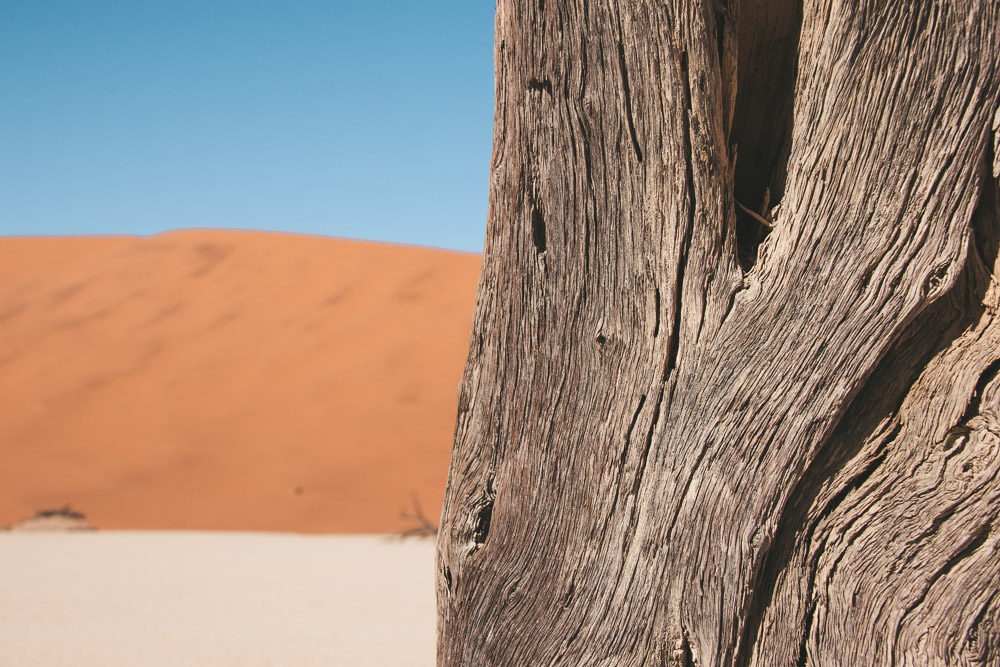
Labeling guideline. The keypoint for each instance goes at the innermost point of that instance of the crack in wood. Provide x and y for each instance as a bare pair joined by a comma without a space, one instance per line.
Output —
637,480
656,311
482,516
540,85
628,98
621,465
675,333
988,375
538,228
767,35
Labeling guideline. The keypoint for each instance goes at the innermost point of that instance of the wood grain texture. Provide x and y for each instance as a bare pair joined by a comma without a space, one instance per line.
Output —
683,438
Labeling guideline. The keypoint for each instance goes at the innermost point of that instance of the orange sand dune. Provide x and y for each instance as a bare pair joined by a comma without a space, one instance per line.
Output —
229,380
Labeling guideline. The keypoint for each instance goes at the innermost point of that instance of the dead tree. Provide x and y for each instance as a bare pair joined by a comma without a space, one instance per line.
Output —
732,394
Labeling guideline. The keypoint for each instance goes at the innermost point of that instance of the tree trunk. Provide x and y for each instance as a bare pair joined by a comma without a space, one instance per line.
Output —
732,396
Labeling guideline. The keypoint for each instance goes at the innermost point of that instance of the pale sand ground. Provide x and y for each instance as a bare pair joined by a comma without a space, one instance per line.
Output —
152,599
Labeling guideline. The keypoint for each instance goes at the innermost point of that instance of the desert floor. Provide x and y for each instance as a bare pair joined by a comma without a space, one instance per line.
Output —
191,599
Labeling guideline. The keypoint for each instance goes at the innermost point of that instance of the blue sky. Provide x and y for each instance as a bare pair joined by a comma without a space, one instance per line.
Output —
354,119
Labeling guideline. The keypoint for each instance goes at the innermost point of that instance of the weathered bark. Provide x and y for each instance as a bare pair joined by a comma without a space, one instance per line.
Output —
684,437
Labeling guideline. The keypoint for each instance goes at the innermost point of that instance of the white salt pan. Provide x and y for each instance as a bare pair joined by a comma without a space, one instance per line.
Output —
154,599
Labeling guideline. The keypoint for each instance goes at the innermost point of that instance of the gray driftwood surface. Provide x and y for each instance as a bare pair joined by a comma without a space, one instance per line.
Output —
688,434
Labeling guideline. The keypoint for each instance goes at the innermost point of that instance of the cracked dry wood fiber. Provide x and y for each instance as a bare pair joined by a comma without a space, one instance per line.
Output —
684,438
